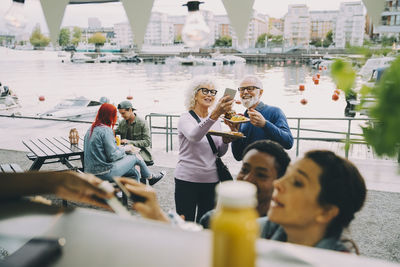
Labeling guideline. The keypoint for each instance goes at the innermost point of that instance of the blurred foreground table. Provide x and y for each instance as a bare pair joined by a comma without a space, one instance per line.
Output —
97,238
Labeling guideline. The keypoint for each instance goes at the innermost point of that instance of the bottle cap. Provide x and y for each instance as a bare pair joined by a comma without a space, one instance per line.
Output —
236,194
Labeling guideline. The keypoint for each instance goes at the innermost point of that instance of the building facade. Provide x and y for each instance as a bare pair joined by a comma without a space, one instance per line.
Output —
390,20
297,26
350,25
322,22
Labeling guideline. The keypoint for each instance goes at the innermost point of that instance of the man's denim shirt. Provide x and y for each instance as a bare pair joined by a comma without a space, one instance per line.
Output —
101,150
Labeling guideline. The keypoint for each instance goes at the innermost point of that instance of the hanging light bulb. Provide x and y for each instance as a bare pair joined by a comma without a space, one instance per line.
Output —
15,17
195,32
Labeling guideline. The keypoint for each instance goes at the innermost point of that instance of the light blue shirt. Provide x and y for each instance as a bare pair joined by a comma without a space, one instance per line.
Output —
101,150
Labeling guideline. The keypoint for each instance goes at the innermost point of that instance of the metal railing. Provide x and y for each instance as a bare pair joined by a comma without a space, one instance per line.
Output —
166,126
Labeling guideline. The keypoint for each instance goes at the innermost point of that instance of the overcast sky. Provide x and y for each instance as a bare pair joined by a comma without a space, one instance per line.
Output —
112,13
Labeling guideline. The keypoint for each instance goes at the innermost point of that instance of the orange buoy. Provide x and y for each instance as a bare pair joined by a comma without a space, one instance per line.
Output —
335,97
318,75
337,91
301,87
303,101
320,68
129,97
316,81
41,98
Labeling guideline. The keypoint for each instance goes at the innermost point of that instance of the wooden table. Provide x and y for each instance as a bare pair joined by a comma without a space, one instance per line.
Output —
53,149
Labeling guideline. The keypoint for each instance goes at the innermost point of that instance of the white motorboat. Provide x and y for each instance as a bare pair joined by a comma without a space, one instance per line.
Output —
81,58
8,100
108,58
228,59
75,108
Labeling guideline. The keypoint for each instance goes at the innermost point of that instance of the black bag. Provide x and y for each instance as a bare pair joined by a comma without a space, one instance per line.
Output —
222,169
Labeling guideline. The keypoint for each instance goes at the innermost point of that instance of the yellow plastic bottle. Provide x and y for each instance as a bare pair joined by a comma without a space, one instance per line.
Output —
235,228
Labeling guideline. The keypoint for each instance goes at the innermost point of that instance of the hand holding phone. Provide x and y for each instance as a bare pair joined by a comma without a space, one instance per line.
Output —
230,92
126,194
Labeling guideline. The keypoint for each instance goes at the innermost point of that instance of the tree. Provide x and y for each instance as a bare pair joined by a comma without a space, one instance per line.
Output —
178,39
225,41
37,39
64,37
261,40
388,41
329,37
276,39
76,36
98,40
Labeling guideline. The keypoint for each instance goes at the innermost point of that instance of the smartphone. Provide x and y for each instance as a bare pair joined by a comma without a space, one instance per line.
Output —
124,194
230,92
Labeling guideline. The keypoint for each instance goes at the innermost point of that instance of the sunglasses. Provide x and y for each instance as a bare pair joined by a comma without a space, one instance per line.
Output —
248,88
205,91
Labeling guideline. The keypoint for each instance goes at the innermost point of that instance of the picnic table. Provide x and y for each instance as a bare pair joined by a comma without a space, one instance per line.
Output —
48,150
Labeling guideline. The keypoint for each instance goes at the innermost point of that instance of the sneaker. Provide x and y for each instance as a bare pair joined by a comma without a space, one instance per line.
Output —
157,177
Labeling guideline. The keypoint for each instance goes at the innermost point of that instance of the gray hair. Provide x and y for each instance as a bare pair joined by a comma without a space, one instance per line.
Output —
194,85
254,80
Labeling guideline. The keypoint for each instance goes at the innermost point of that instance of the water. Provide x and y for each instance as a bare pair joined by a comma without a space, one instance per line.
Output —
157,88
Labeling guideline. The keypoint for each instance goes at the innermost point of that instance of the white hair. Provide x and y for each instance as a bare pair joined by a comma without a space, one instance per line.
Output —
253,80
194,85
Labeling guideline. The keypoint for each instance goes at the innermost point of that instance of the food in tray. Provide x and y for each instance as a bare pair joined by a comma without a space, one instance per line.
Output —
234,117
238,117
227,134
228,115
236,133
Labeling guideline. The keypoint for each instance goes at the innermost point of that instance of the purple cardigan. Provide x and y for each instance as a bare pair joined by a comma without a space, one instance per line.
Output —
196,161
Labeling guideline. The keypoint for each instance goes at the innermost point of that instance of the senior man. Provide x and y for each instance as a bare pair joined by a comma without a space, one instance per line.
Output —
266,122
134,130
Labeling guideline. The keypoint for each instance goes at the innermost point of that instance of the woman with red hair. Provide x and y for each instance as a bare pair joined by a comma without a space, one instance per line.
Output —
104,158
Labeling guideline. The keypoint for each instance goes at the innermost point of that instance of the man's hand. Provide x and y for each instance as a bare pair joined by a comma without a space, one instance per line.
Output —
79,187
256,118
149,208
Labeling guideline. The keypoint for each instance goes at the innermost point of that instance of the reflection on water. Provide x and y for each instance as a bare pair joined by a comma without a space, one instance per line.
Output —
156,87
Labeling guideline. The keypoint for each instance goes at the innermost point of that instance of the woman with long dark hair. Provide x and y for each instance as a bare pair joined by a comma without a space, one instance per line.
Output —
102,156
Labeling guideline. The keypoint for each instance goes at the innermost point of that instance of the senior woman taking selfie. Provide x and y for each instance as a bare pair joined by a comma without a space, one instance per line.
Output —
196,173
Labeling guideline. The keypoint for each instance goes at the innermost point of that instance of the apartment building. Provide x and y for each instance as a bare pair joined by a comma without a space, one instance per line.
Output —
390,24
297,26
160,30
258,25
322,22
350,24
123,35
275,26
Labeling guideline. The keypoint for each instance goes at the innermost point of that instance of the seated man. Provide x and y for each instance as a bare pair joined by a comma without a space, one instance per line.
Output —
135,131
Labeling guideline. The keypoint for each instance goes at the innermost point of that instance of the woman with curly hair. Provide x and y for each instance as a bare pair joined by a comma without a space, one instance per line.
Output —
196,173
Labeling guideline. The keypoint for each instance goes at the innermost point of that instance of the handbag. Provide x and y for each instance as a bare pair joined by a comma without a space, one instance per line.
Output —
222,169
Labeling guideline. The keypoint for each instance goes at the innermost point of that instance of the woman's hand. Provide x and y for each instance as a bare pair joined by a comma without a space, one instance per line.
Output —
129,148
227,139
79,187
149,208
224,105
233,126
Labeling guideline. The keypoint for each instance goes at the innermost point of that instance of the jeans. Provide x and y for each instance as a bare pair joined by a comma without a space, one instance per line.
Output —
126,167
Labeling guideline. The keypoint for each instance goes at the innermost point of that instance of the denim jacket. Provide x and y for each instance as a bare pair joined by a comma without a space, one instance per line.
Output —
101,150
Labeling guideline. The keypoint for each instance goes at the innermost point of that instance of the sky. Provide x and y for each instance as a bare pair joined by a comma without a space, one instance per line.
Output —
111,13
